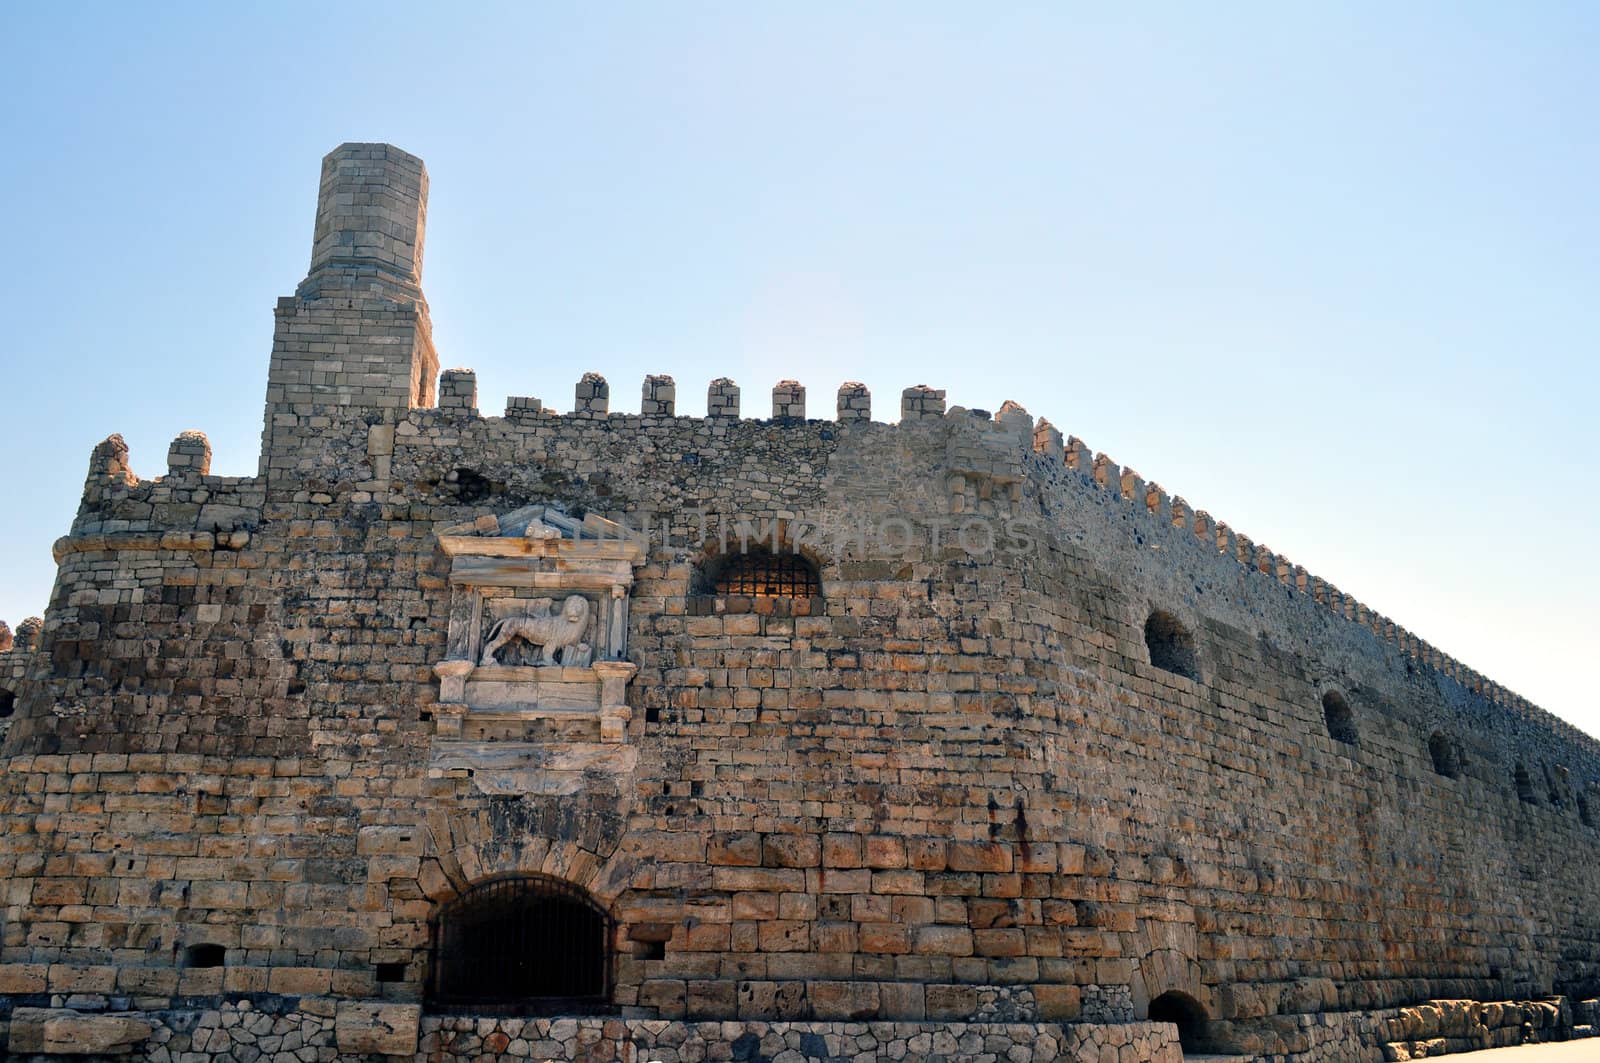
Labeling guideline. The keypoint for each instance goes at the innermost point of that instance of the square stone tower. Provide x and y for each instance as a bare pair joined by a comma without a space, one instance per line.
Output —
356,332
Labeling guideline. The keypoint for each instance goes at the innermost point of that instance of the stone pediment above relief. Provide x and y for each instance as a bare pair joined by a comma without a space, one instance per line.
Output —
537,644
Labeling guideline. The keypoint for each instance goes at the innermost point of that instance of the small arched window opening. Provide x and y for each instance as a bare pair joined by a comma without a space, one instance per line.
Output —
1171,646
205,955
527,944
1185,1012
758,572
8,703
1340,720
1524,785
1446,761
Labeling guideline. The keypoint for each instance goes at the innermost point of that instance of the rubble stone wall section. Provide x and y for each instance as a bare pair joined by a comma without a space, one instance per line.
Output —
308,1029
445,1038
317,1030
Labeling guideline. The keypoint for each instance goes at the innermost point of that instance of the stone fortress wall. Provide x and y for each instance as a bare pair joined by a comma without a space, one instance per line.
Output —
951,788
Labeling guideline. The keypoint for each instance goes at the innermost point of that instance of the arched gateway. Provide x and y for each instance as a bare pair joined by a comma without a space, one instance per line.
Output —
527,943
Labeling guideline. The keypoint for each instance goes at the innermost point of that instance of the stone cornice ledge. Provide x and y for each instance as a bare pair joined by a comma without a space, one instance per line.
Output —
114,542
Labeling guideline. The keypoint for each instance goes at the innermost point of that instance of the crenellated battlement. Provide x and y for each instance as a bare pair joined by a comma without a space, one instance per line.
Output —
1012,427
186,509
1154,502
1011,424
189,455
370,224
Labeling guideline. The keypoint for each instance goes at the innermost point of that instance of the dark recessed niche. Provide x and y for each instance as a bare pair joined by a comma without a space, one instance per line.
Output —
1341,721
1524,785
1446,758
468,485
1171,646
1558,780
8,703
389,972
205,956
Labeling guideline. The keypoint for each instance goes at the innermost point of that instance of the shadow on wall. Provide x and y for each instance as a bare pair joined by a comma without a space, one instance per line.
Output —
1185,1012
1341,721
1446,758
1171,645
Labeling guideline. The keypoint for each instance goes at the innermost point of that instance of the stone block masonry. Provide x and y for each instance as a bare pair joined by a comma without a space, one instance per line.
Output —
190,453
659,398
458,390
357,331
722,398
789,400
855,402
593,396
982,739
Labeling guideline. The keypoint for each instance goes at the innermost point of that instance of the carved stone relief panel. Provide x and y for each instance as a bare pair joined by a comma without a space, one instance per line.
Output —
538,623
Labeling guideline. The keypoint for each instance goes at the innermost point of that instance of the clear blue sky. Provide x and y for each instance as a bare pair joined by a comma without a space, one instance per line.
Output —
1328,273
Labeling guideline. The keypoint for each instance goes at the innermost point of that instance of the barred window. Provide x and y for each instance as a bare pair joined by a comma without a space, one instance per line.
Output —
760,573
528,943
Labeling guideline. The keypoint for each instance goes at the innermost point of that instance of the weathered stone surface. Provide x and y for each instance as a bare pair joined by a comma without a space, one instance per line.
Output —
64,1032
384,1029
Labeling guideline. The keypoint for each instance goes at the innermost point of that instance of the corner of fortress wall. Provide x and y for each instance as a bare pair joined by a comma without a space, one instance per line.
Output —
952,787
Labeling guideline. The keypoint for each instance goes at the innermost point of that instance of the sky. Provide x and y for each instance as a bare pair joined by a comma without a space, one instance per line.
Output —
1326,271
